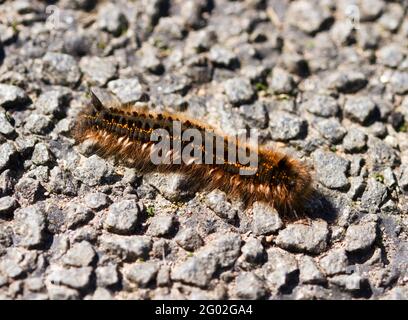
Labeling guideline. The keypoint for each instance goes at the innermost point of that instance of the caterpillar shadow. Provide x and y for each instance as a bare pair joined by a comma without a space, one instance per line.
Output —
320,207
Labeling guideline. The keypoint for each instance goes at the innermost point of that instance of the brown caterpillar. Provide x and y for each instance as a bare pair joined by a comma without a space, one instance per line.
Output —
279,180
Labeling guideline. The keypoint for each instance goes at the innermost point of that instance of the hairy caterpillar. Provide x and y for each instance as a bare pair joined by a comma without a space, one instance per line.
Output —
278,179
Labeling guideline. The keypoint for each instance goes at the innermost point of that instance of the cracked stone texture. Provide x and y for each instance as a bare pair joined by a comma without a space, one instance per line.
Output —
76,226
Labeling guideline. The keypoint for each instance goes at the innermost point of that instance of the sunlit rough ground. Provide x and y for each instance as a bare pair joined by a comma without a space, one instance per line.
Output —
327,81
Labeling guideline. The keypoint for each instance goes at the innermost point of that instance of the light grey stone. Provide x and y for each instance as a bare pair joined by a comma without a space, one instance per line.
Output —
102,294
122,217
128,248
331,169
198,270
38,123
29,227
93,170
80,255
334,262
360,237
222,56
12,96
189,239
77,215
76,278
347,80
7,205
57,292
399,82
285,126
7,153
266,219
322,105
357,187
281,266
96,200
98,71
309,272
217,201
331,129
252,250
281,82
374,195
60,69
6,127
355,140
380,154
41,154
28,191
360,109
304,238
112,19
127,90
141,273
161,225
390,55
239,90
107,276
53,102
173,186
351,282
308,16
249,286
